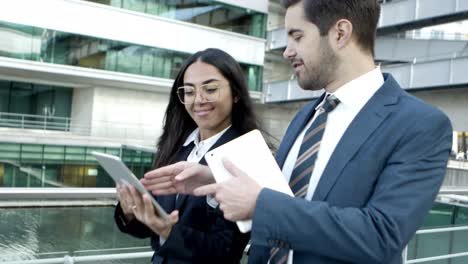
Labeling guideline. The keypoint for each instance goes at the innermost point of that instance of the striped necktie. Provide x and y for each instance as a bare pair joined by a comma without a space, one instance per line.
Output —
305,163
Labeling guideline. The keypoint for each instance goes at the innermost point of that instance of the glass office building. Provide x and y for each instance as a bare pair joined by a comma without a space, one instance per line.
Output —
96,75
51,46
40,165
215,14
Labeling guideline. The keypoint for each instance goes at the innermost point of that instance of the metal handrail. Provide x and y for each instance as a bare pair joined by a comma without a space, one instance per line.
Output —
33,116
441,230
448,256
84,259
440,257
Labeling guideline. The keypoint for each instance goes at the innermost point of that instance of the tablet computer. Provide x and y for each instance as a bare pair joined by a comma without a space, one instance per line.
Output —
251,154
121,174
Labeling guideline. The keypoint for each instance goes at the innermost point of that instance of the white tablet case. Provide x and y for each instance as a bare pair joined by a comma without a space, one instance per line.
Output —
250,153
120,173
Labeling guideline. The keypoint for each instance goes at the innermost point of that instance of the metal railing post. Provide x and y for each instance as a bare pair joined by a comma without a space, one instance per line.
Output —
67,124
68,260
405,255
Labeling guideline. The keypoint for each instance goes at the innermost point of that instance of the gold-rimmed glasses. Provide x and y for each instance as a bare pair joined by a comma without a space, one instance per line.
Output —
208,92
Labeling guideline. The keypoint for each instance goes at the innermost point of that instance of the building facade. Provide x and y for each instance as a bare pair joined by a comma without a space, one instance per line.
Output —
80,76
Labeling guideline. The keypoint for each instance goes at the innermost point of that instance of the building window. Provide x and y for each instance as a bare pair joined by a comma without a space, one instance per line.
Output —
206,13
70,49
37,165
27,105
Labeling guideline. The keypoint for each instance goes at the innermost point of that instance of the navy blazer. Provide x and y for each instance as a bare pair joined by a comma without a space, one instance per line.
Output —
374,193
201,235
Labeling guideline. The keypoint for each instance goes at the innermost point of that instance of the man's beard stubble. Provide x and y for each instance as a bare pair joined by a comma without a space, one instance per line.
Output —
318,76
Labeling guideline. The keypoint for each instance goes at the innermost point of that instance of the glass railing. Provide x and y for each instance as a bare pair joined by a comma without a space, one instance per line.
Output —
433,244
41,122
89,234
54,232
206,13
45,45
40,125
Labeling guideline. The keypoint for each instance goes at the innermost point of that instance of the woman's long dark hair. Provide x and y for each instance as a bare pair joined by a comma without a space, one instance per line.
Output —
177,122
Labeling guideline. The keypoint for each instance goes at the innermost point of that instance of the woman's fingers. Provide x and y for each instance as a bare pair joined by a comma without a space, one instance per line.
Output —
174,217
166,171
157,185
125,198
137,205
153,181
153,219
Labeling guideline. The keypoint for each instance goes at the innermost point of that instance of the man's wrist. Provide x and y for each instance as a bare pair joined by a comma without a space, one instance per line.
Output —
252,210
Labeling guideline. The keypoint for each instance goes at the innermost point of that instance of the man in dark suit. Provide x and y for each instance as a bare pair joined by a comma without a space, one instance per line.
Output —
365,161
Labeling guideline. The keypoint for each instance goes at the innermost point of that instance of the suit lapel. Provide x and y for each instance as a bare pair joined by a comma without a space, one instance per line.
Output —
180,201
167,202
229,135
295,129
363,125
183,155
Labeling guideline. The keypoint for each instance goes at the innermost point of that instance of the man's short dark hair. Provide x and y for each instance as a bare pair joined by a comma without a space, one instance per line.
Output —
363,14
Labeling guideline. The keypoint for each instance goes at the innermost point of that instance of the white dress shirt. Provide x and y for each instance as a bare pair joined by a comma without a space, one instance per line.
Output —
353,96
201,147
197,153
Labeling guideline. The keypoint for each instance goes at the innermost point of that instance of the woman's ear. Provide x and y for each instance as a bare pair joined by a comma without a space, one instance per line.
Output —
236,99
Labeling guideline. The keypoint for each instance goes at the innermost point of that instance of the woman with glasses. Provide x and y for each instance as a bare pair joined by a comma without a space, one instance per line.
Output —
209,105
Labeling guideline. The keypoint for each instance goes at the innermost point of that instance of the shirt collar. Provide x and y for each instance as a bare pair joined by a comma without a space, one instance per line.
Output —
194,137
357,92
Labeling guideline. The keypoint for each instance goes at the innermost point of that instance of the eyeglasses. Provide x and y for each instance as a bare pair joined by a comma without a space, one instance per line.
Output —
208,92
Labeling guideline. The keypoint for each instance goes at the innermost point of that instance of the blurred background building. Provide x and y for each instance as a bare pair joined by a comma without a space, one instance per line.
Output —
82,76
422,43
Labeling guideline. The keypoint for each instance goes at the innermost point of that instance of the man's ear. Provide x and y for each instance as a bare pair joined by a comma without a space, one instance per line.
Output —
342,33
